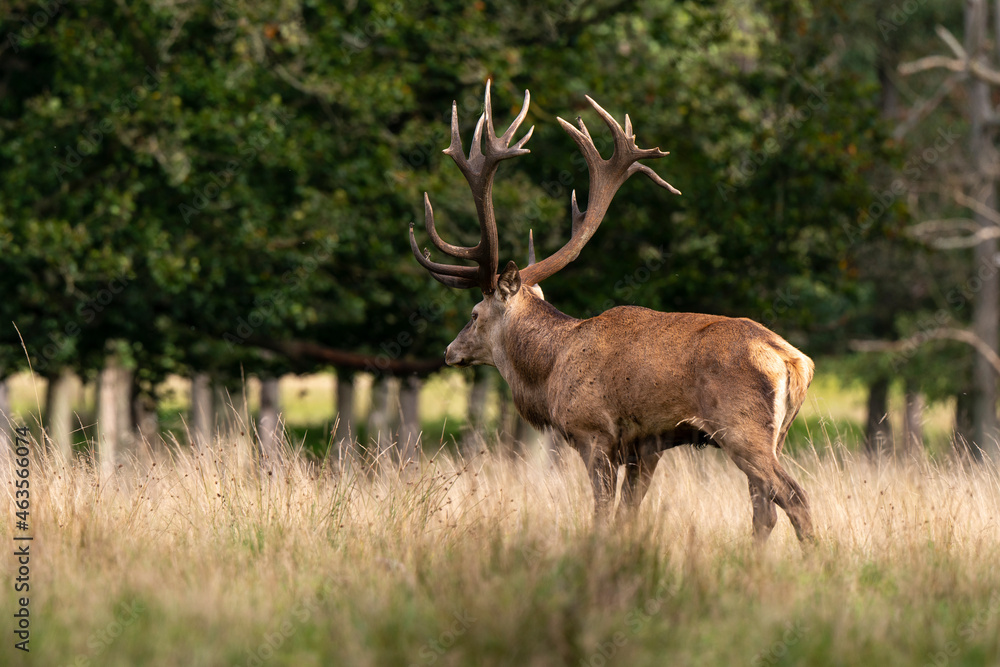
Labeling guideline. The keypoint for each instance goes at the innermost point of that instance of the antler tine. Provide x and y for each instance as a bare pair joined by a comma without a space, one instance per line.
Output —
476,149
606,176
461,252
436,268
531,247
451,281
582,139
577,215
516,123
455,149
488,112
624,139
637,167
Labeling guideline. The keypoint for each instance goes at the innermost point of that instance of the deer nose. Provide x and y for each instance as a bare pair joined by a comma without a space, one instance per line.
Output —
451,357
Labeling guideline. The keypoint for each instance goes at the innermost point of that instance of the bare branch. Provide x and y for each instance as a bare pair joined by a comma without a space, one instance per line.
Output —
976,68
922,110
979,207
931,62
960,63
299,350
320,91
976,234
952,225
942,333
952,43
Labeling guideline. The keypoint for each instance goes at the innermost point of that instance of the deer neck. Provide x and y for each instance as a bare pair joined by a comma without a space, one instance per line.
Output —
530,343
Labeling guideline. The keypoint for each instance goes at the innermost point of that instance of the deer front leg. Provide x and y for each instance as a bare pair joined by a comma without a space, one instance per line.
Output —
602,479
639,473
596,457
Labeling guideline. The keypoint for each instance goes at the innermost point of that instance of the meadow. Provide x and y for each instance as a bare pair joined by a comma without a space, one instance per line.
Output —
186,557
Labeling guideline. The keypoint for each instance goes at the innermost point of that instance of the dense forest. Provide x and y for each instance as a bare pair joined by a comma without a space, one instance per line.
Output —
213,190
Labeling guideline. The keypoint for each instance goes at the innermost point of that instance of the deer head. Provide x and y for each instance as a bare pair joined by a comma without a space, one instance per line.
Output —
503,293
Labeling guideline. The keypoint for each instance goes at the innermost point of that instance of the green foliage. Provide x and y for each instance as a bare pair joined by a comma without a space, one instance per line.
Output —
226,172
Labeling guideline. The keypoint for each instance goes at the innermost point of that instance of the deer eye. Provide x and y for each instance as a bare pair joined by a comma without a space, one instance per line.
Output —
475,316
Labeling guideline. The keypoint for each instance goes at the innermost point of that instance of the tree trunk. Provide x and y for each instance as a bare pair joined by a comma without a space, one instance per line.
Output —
226,411
508,420
535,445
479,393
913,421
201,415
986,302
345,432
385,395
269,426
6,423
409,429
963,432
147,420
878,431
114,414
59,413
478,397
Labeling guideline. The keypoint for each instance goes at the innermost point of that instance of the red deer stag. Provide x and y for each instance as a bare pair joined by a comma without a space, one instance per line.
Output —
625,385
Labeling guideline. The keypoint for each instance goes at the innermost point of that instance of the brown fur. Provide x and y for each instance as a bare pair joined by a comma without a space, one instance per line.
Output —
624,385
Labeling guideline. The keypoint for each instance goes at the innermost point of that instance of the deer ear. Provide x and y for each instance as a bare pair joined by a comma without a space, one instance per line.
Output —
509,281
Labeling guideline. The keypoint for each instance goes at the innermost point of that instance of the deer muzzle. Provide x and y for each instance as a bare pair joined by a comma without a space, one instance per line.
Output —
453,357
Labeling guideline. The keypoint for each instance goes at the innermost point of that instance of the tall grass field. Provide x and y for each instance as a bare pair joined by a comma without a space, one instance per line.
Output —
185,557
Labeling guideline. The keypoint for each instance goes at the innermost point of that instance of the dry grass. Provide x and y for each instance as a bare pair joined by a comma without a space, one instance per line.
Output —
493,560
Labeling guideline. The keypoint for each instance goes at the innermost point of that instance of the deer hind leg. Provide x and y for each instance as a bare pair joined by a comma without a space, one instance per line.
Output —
764,513
769,483
791,498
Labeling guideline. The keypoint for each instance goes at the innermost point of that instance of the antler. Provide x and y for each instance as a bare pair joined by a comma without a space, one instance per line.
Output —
479,169
606,176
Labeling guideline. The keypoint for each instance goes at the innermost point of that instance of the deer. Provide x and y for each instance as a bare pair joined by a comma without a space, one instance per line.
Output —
630,383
